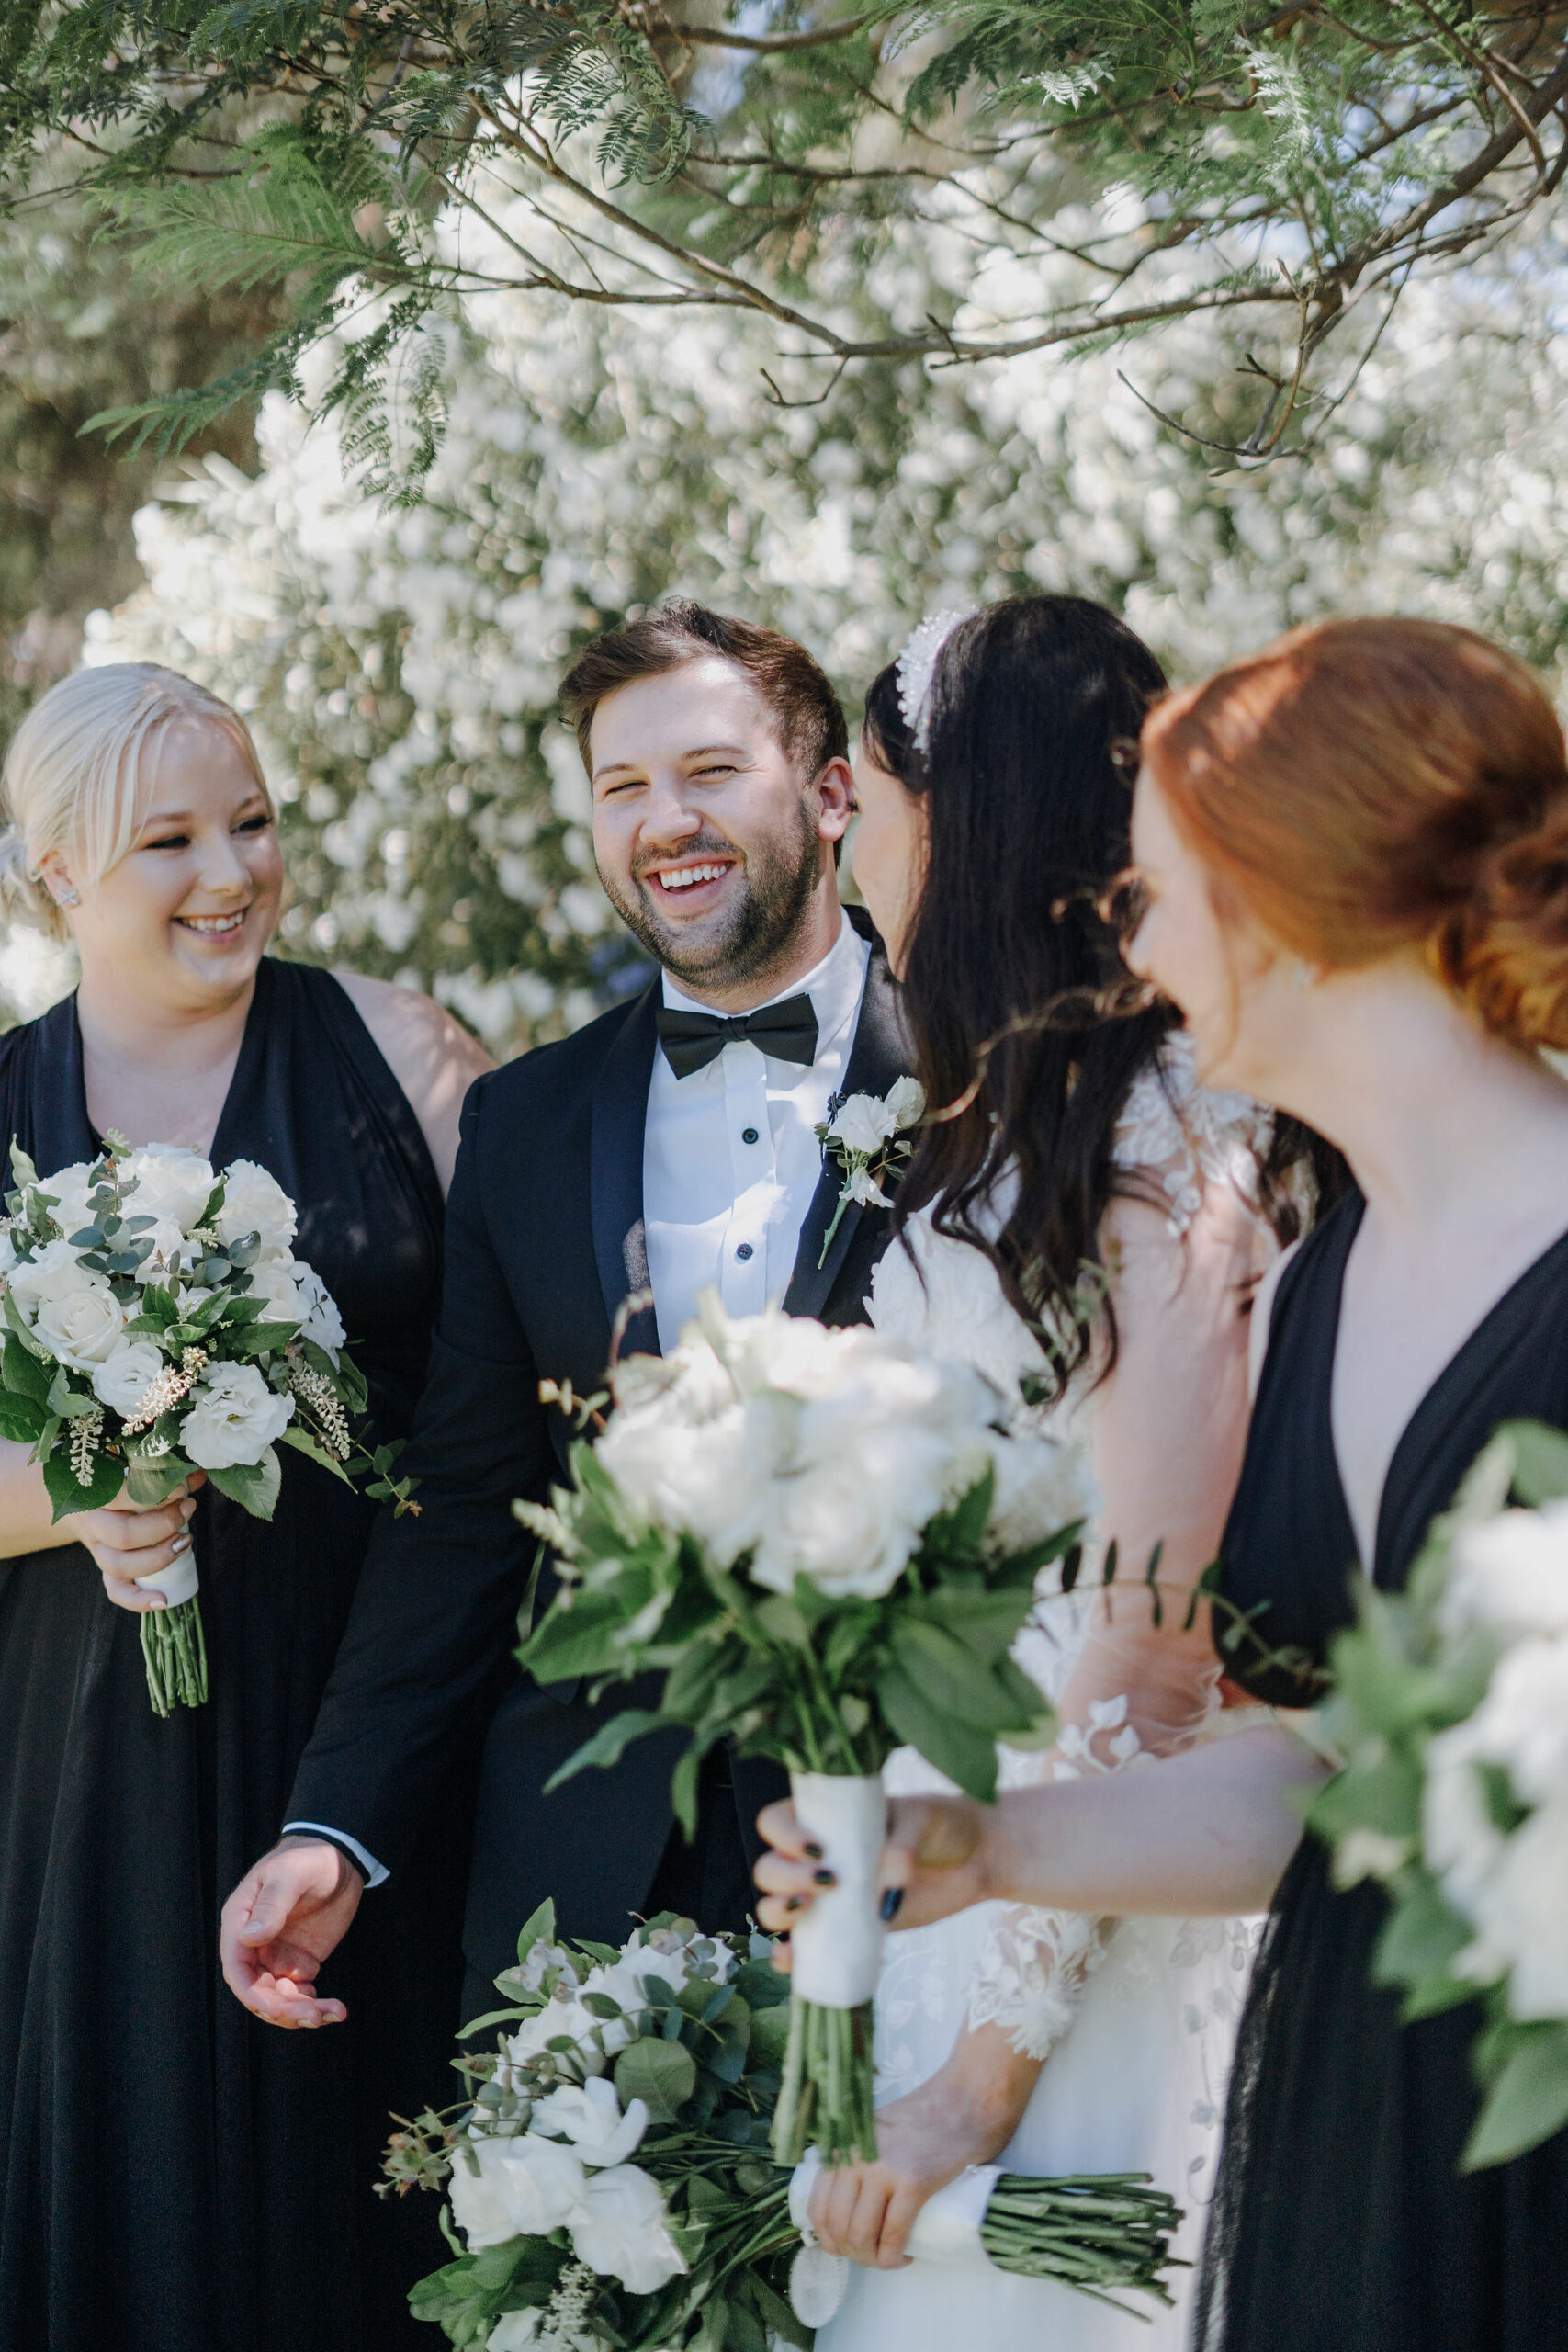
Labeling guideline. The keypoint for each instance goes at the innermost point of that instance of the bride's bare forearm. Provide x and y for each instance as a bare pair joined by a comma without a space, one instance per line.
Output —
1204,1833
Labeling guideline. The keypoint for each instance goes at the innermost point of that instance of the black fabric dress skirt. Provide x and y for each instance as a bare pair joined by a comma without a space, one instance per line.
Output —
1342,2223
175,2176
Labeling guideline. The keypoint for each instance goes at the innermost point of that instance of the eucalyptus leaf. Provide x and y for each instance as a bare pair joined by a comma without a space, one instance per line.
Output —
608,1743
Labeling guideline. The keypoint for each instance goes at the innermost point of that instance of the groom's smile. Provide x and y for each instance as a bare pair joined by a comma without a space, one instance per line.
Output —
708,833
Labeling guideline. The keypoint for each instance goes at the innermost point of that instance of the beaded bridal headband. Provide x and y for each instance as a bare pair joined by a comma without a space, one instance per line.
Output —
916,667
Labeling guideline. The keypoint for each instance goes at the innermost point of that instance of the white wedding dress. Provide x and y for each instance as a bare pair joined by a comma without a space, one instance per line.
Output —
1135,2017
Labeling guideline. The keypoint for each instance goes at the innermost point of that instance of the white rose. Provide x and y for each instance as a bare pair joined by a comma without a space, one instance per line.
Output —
1040,1486
907,1101
169,1182
68,1189
622,2230
255,1202
168,1242
589,2114
1510,1575
597,2038
863,1124
274,1280
80,1328
126,1373
233,1418
523,2189
321,1322
54,1272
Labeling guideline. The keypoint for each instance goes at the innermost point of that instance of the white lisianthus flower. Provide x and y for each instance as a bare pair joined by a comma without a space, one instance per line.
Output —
863,1188
169,1182
1510,1575
597,2039
622,2230
589,2116
321,1322
68,1189
81,1329
55,1271
234,1416
126,1373
255,1202
523,2189
863,1123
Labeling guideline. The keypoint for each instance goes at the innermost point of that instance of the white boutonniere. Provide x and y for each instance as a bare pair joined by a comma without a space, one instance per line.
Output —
863,1133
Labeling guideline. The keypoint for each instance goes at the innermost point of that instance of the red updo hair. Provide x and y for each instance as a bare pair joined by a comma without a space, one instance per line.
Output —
1367,785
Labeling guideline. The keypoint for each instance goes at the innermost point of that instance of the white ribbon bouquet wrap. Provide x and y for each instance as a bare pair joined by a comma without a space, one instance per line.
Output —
826,1544
154,1322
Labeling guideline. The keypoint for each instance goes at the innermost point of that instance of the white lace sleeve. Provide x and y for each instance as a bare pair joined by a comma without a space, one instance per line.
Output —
1186,1136
1034,1965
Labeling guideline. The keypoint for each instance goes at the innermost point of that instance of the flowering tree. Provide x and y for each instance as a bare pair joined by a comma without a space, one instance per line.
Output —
757,157
402,666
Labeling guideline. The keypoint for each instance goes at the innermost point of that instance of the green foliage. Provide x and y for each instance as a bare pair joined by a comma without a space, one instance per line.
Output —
1399,1681
1305,162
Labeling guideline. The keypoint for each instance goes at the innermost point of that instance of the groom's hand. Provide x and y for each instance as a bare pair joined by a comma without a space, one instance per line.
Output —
285,1917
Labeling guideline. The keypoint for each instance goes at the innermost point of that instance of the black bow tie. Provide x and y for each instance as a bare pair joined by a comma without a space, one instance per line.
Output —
691,1040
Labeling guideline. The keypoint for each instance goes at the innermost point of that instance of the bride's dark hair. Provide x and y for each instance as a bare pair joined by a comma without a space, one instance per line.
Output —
1017,1002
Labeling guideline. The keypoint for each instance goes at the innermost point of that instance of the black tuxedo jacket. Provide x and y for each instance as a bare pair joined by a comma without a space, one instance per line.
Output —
545,1239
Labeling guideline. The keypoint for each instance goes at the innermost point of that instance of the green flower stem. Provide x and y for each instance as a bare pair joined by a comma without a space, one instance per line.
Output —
174,1646
828,2094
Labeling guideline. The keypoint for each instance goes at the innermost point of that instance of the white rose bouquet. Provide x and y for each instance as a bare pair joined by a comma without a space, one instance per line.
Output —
826,1545
1450,1710
669,2052
155,1322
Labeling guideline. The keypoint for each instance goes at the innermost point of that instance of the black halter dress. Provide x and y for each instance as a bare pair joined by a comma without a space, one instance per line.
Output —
175,2176
1342,2223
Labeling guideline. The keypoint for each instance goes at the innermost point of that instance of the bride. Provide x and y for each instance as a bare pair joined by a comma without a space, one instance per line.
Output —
1093,1225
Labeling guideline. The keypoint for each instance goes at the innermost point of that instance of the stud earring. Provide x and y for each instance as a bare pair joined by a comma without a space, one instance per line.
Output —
68,897
1305,976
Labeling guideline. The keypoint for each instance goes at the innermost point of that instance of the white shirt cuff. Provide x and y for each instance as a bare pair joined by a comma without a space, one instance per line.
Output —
374,1873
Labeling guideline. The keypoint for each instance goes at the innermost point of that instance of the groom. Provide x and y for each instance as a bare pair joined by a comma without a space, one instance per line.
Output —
668,1147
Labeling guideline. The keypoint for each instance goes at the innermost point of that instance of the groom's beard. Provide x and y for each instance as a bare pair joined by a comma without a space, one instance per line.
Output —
756,927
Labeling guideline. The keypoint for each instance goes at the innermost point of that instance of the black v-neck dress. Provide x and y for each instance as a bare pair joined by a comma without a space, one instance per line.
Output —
175,2176
1341,2221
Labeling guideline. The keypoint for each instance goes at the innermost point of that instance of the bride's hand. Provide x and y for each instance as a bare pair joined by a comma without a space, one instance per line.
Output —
935,1861
965,2115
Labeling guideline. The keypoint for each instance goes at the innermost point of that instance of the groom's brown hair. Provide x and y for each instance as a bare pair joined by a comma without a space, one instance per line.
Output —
795,688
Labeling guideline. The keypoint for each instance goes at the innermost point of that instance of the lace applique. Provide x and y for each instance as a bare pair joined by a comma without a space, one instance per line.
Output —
1034,1965
1188,1134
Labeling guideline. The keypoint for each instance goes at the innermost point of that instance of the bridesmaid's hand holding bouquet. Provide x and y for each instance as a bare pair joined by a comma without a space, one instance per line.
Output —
154,1324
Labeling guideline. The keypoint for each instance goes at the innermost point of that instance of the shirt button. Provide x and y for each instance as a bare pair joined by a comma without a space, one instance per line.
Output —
744,1250
748,1134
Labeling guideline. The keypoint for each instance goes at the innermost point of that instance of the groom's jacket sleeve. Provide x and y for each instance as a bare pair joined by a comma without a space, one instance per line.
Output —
436,1607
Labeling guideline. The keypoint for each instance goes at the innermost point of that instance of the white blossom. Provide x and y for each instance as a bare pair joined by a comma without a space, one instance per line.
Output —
126,1373
81,1329
233,1417
167,1181
255,1202
621,2228
589,2116
523,2189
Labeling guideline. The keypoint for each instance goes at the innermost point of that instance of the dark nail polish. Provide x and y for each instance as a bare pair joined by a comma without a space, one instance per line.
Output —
823,1878
796,1903
814,1851
890,1902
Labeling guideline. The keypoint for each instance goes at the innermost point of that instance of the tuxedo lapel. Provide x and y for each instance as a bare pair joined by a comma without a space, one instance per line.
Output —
880,1054
615,1175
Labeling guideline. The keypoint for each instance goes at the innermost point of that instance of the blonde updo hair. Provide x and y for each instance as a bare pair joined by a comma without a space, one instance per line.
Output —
1367,785
77,771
